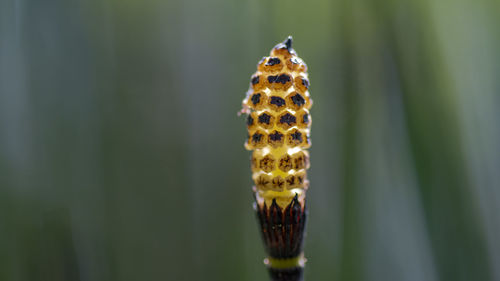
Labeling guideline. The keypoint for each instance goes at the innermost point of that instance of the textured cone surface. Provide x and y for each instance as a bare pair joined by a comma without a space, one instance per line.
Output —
278,122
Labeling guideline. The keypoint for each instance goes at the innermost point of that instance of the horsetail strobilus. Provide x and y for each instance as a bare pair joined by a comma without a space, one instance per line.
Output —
278,121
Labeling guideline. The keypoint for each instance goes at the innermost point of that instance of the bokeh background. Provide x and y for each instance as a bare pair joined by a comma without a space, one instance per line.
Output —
121,154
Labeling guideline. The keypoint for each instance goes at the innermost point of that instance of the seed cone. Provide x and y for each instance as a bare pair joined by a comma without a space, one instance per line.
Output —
278,121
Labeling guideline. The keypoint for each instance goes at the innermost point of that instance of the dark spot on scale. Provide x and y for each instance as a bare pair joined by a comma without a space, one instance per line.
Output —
256,98
278,182
300,178
264,118
249,120
305,82
276,136
273,61
288,118
298,100
255,80
305,118
272,78
283,78
297,136
262,181
279,102
256,137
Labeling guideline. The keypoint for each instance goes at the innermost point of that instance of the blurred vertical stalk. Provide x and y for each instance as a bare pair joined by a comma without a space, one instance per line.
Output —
390,55
432,120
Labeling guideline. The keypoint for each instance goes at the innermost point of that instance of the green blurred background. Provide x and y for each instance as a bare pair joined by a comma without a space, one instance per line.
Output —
121,154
